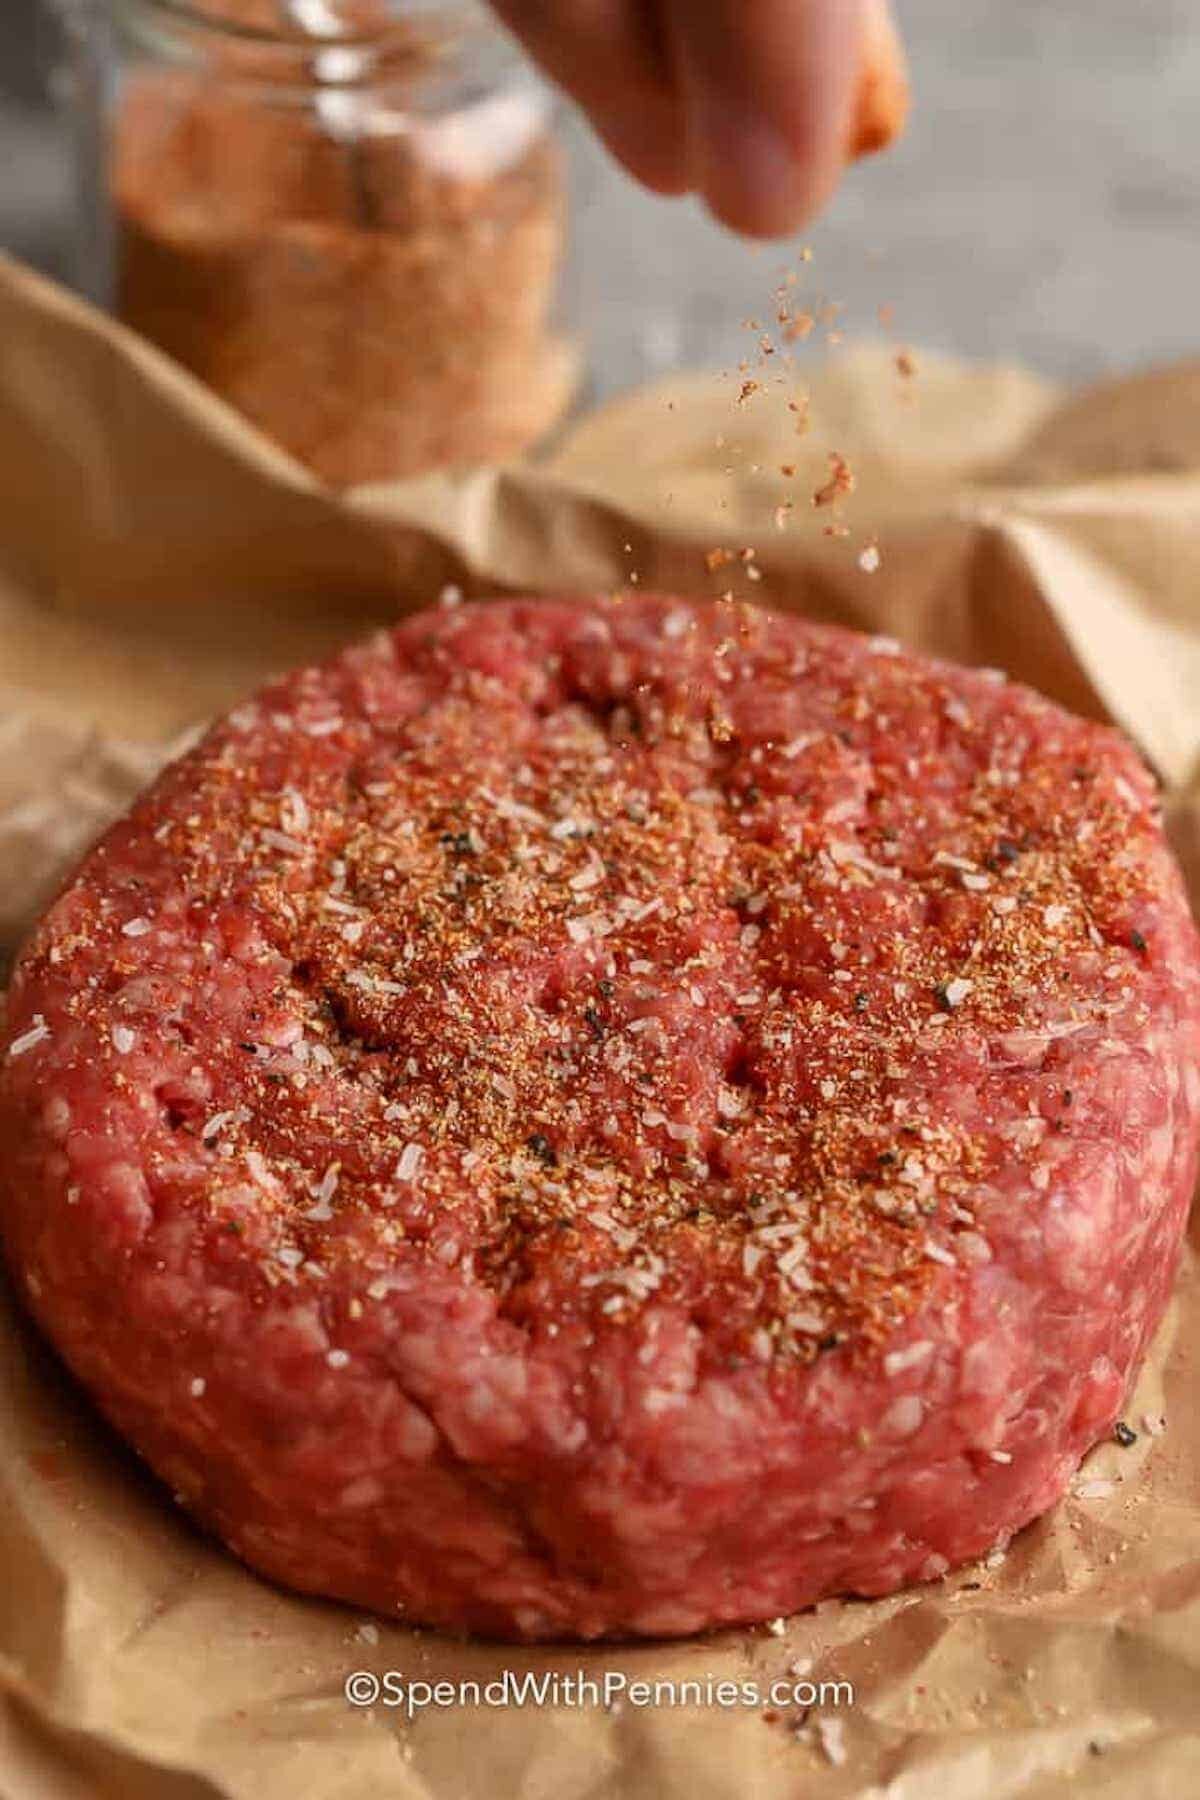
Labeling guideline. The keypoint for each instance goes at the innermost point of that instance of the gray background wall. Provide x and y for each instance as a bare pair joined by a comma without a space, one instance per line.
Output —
1045,203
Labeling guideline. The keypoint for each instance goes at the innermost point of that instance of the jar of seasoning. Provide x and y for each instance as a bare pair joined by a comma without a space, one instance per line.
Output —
347,217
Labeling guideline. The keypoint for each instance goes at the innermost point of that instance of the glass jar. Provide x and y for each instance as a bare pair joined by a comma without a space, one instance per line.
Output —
347,217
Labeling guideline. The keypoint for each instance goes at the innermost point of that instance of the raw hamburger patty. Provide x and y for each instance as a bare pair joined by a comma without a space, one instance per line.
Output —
613,1117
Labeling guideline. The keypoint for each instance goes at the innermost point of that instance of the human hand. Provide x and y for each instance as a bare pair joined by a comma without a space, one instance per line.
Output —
754,104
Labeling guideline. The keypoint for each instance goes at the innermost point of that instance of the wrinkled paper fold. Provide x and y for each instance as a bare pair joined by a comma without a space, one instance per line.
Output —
156,559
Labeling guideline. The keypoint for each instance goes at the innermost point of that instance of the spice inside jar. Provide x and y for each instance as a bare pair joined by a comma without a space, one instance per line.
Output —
349,221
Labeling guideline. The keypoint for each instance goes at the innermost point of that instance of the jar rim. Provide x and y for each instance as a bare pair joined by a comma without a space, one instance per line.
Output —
437,20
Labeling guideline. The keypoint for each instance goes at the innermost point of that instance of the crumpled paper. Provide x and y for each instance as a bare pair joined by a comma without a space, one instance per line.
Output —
156,559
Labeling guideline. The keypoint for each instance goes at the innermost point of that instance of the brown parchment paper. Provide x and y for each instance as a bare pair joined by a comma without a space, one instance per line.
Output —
156,559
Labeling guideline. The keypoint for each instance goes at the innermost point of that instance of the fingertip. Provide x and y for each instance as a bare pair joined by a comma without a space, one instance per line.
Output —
753,178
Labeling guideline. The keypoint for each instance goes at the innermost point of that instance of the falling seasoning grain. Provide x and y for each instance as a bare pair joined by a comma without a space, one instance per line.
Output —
840,484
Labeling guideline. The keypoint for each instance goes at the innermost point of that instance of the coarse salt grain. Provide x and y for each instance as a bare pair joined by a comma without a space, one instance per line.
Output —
337,1359
832,1735
293,811
1096,1489
123,1039
37,1034
281,841
411,1158
214,1126
135,928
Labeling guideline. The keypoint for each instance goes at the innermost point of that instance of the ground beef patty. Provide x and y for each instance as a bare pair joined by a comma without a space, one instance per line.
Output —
613,1116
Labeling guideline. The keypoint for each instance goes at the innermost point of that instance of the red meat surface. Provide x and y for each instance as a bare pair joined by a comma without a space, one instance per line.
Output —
612,1117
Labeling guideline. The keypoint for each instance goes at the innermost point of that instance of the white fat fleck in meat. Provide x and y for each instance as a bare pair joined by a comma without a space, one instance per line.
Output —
903,1417
897,1361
